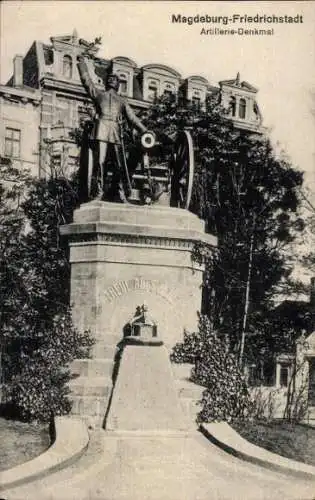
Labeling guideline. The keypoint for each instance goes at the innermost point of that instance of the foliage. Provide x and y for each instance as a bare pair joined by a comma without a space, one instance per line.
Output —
249,199
297,391
38,340
266,402
226,396
13,185
37,385
289,440
50,204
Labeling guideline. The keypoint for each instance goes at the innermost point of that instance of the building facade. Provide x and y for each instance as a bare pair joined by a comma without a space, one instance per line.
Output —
44,100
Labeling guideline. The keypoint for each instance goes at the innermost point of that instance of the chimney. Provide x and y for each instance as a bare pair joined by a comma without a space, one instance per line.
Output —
18,71
312,294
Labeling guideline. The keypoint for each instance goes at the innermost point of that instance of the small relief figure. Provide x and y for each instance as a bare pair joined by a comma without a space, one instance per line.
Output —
106,134
142,324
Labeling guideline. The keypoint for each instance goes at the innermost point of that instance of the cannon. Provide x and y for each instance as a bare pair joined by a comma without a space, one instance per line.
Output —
168,182
149,180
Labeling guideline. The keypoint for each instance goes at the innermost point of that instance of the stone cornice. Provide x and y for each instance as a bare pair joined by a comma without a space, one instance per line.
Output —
131,240
21,94
249,126
143,240
49,82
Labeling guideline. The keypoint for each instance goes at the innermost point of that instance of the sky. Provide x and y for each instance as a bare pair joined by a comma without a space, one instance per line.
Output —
281,66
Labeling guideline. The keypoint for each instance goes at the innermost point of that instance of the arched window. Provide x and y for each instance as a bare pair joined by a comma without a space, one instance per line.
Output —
242,109
67,66
123,84
233,106
152,90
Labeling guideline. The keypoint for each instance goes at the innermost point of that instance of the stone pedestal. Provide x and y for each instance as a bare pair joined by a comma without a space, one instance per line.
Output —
125,255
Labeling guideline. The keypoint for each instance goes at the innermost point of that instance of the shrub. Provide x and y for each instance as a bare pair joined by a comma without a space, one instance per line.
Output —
36,386
226,396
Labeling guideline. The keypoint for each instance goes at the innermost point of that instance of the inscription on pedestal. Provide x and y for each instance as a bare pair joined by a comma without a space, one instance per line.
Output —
124,286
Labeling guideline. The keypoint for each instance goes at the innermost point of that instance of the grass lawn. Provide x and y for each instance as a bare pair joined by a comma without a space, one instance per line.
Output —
20,442
289,440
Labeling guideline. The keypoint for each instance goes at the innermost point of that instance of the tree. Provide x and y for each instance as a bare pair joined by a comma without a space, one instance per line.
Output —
12,224
39,340
249,199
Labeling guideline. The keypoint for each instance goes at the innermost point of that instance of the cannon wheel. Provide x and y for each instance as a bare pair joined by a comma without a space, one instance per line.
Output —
182,170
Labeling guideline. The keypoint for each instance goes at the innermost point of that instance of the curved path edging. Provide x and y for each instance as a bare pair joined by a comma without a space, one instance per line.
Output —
71,441
222,435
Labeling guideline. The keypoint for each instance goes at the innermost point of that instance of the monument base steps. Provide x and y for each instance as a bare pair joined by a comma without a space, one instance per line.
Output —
92,367
189,392
91,385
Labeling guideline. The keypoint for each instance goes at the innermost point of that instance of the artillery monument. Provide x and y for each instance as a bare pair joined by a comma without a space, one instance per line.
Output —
131,245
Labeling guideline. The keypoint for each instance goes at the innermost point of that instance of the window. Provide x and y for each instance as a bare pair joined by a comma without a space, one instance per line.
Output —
152,90
233,106
169,90
284,375
123,84
196,99
49,56
63,112
242,109
256,111
12,142
67,66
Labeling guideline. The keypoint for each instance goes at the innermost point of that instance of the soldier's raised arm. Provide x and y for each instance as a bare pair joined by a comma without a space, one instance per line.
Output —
86,78
133,120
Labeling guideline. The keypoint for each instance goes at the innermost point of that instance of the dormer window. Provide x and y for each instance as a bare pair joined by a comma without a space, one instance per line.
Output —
123,84
196,98
233,106
152,90
67,66
169,89
242,109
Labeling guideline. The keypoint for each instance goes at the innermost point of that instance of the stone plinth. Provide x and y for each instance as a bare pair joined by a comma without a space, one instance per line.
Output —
124,255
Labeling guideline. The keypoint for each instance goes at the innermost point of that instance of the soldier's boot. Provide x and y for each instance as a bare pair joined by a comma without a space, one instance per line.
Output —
99,191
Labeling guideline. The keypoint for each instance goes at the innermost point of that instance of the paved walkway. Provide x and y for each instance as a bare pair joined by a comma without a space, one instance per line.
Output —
162,467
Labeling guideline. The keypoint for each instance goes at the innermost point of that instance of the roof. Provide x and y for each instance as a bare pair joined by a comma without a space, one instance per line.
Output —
161,67
198,78
236,82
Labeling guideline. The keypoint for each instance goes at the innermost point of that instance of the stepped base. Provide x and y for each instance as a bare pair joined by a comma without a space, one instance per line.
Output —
92,367
91,385
88,386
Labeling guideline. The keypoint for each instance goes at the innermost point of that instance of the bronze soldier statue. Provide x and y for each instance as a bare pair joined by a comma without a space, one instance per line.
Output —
106,134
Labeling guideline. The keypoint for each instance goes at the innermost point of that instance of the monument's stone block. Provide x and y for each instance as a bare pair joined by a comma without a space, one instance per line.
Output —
145,396
125,255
